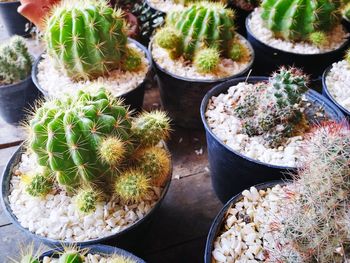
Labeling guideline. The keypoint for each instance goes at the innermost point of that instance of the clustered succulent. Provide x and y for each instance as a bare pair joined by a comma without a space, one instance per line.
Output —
295,20
201,33
15,61
273,108
90,145
87,39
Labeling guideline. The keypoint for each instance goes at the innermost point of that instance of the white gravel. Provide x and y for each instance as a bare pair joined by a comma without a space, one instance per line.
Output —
224,124
55,216
256,24
165,5
93,258
181,67
119,82
338,83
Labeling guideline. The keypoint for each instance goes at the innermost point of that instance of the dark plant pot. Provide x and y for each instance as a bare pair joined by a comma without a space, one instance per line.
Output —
231,171
268,59
240,17
15,23
217,224
346,23
181,97
326,93
128,238
96,249
16,100
134,98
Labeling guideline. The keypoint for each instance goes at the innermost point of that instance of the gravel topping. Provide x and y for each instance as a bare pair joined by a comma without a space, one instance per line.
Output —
89,258
165,5
338,37
224,124
55,216
118,82
338,83
185,69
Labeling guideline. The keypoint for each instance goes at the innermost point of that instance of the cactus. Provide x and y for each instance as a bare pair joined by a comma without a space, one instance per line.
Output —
295,20
15,61
87,39
346,11
71,256
86,200
207,60
40,184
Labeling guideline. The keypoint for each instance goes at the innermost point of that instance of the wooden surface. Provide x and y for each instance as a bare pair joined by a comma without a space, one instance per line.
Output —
178,232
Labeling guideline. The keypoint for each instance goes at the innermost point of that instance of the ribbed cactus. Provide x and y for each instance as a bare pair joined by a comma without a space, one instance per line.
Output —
296,20
272,109
15,61
87,38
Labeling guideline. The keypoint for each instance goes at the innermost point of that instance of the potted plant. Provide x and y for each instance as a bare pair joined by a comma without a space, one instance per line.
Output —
335,84
17,91
255,126
102,55
88,172
191,60
14,23
312,40
305,220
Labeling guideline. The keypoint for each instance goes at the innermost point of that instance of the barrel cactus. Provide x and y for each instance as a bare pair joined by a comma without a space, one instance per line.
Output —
296,20
87,39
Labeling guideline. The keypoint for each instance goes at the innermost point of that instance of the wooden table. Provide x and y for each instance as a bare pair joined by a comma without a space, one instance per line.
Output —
178,232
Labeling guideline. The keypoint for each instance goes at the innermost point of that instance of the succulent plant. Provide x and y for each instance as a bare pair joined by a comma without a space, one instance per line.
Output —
15,61
296,20
40,184
71,256
273,109
87,39
346,11
87,142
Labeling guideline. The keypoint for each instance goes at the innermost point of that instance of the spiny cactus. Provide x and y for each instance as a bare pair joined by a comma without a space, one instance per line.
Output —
86,200
207,60
40,184
15,61
87,39
295,20
272,109
71,255
346,11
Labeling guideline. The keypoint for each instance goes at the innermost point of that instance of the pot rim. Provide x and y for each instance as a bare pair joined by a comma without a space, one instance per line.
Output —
4,194
242,72
34,72
223,87
329,95
17,83
249,32
219,218
10,2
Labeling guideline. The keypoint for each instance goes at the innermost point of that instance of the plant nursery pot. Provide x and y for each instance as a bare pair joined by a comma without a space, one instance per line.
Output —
15,23
134,97
346,23
16,99
127,238
327,94
269,59
97,249
181,97
216,226
231,171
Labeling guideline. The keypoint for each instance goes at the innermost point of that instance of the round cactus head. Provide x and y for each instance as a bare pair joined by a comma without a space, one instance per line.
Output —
170,39
112,150
86,200
71,256
39,185
207,60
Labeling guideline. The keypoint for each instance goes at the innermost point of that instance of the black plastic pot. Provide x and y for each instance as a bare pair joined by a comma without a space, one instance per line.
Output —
326,93
268,59
15,23
16,100
217,224
231,171
96,249
128,238
134,98
181,97
346,23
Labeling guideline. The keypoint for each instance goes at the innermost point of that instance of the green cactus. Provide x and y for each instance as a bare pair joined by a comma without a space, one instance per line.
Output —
71,256
132,60
15,61
87,39
86,200
170,39
40,184
295,20
207,60
346,11
29,259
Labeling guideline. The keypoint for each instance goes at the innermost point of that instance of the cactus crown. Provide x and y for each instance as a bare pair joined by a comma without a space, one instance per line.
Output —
15,61
272,109
295,20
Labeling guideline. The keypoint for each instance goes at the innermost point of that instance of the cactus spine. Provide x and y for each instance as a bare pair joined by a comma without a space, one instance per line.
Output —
295,20
15,61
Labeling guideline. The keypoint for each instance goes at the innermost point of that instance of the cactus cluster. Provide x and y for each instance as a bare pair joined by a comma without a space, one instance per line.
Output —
201,33
90,145
87,39
15,61
295,20
273,109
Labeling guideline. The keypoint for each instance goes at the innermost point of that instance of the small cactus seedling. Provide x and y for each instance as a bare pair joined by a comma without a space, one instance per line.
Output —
15,61
28,254
40,185
86,200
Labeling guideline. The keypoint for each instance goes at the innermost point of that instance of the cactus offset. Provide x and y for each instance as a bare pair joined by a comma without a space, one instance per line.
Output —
86,200
40,184
15,61
71,256
207,60
295,20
